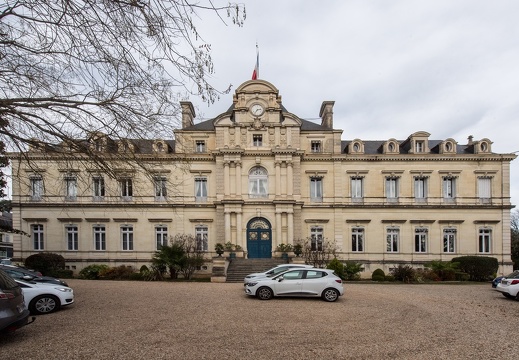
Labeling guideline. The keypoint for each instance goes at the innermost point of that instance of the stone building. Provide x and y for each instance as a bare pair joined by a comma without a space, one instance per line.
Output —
258,176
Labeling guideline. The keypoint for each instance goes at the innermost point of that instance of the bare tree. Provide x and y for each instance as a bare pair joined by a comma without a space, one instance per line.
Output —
73,68
317,251
514,229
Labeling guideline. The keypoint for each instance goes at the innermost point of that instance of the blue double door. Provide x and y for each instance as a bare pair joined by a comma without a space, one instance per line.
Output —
259,239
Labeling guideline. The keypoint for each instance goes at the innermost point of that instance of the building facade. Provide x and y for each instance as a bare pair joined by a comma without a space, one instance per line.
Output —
258,176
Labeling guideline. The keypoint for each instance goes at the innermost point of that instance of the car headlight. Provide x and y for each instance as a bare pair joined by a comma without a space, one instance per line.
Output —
64,289
252,284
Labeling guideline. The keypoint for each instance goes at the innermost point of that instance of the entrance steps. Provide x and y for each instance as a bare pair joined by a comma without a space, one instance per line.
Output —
239,267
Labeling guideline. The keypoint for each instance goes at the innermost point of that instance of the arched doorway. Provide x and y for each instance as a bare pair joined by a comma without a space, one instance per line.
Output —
259,238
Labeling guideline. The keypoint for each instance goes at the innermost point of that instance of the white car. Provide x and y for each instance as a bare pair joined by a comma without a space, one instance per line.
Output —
509,286
41,298
307,282
273,272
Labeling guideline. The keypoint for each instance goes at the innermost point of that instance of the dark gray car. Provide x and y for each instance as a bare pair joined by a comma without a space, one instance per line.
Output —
28,275
13,313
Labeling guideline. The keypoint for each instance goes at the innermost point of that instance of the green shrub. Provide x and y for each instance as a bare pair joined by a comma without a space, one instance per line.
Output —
117,273
378,275
404,273
144,269
64,274
445,270
461,276
91,272
337,267
47,263
352,270
479,268
137,276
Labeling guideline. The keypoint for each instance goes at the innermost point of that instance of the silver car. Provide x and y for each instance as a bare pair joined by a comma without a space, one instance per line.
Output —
298,282
273,272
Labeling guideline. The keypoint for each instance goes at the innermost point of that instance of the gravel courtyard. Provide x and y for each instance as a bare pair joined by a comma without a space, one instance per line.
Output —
151,320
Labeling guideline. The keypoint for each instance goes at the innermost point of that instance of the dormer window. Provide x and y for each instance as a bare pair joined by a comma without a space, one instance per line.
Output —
200,146
448,146
315,146
160,147
419,146
98,145
356,147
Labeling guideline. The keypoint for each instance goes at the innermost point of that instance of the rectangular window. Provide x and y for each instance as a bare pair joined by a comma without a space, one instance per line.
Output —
484,189
127,237
37,237
392,188
100,237
316,238
161,191
357,239
316,189
315,146
420,188
485,240
419,146
449,240
72,237
98,184
257,140
71,188
200,146
201,235
161,236
449,188
126,189
36,188
357,191
420,240
201,189
392,239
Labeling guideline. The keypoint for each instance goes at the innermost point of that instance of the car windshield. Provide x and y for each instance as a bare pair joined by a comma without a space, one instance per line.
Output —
514,275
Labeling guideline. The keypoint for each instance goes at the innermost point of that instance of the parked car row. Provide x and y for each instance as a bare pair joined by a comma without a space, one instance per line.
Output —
24,292
294,280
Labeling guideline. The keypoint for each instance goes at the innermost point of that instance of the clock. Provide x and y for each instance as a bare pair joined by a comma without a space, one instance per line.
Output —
257,110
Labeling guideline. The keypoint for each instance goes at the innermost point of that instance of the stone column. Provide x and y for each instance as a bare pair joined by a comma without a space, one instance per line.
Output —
290,178
227,226
290,227
238,179
226,178
278,229
277,164
239,232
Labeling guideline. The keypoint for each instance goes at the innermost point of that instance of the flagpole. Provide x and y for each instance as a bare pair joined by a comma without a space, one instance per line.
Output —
255,73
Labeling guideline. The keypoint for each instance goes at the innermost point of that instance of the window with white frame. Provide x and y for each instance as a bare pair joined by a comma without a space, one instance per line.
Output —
449,240
357,239
315,146
98,187
37,237
420,239
201,236
392,239
161,191
257,140
484,189
126,188
161,236
200,146
127,237
357,188
449,188
316,189
485,240
36,187
420,188
71,188
419,146
258,182
99,237
391,188
316,238
72,237
201,188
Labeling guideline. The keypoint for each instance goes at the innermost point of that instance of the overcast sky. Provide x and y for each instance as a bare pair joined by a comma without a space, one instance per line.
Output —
393,67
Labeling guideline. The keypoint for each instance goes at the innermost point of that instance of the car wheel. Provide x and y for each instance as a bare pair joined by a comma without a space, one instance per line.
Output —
44,304
264,293
507,295
330,295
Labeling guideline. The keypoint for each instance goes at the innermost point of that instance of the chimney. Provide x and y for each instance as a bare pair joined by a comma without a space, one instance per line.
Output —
188,114
470,139
326,114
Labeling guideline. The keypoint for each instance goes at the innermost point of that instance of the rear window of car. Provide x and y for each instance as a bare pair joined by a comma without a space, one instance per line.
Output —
6,281
313,274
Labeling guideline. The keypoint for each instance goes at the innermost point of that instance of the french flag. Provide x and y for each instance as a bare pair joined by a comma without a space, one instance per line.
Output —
255,73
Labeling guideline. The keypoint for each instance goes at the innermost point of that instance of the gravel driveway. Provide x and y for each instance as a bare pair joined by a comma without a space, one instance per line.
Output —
151,320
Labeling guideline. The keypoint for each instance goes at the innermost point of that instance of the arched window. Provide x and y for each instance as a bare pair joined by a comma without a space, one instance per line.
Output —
258,182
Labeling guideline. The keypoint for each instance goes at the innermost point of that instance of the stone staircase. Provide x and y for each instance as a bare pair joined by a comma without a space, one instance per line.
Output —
239,267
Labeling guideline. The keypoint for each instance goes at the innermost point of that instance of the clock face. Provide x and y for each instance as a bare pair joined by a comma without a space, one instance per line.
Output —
256,109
